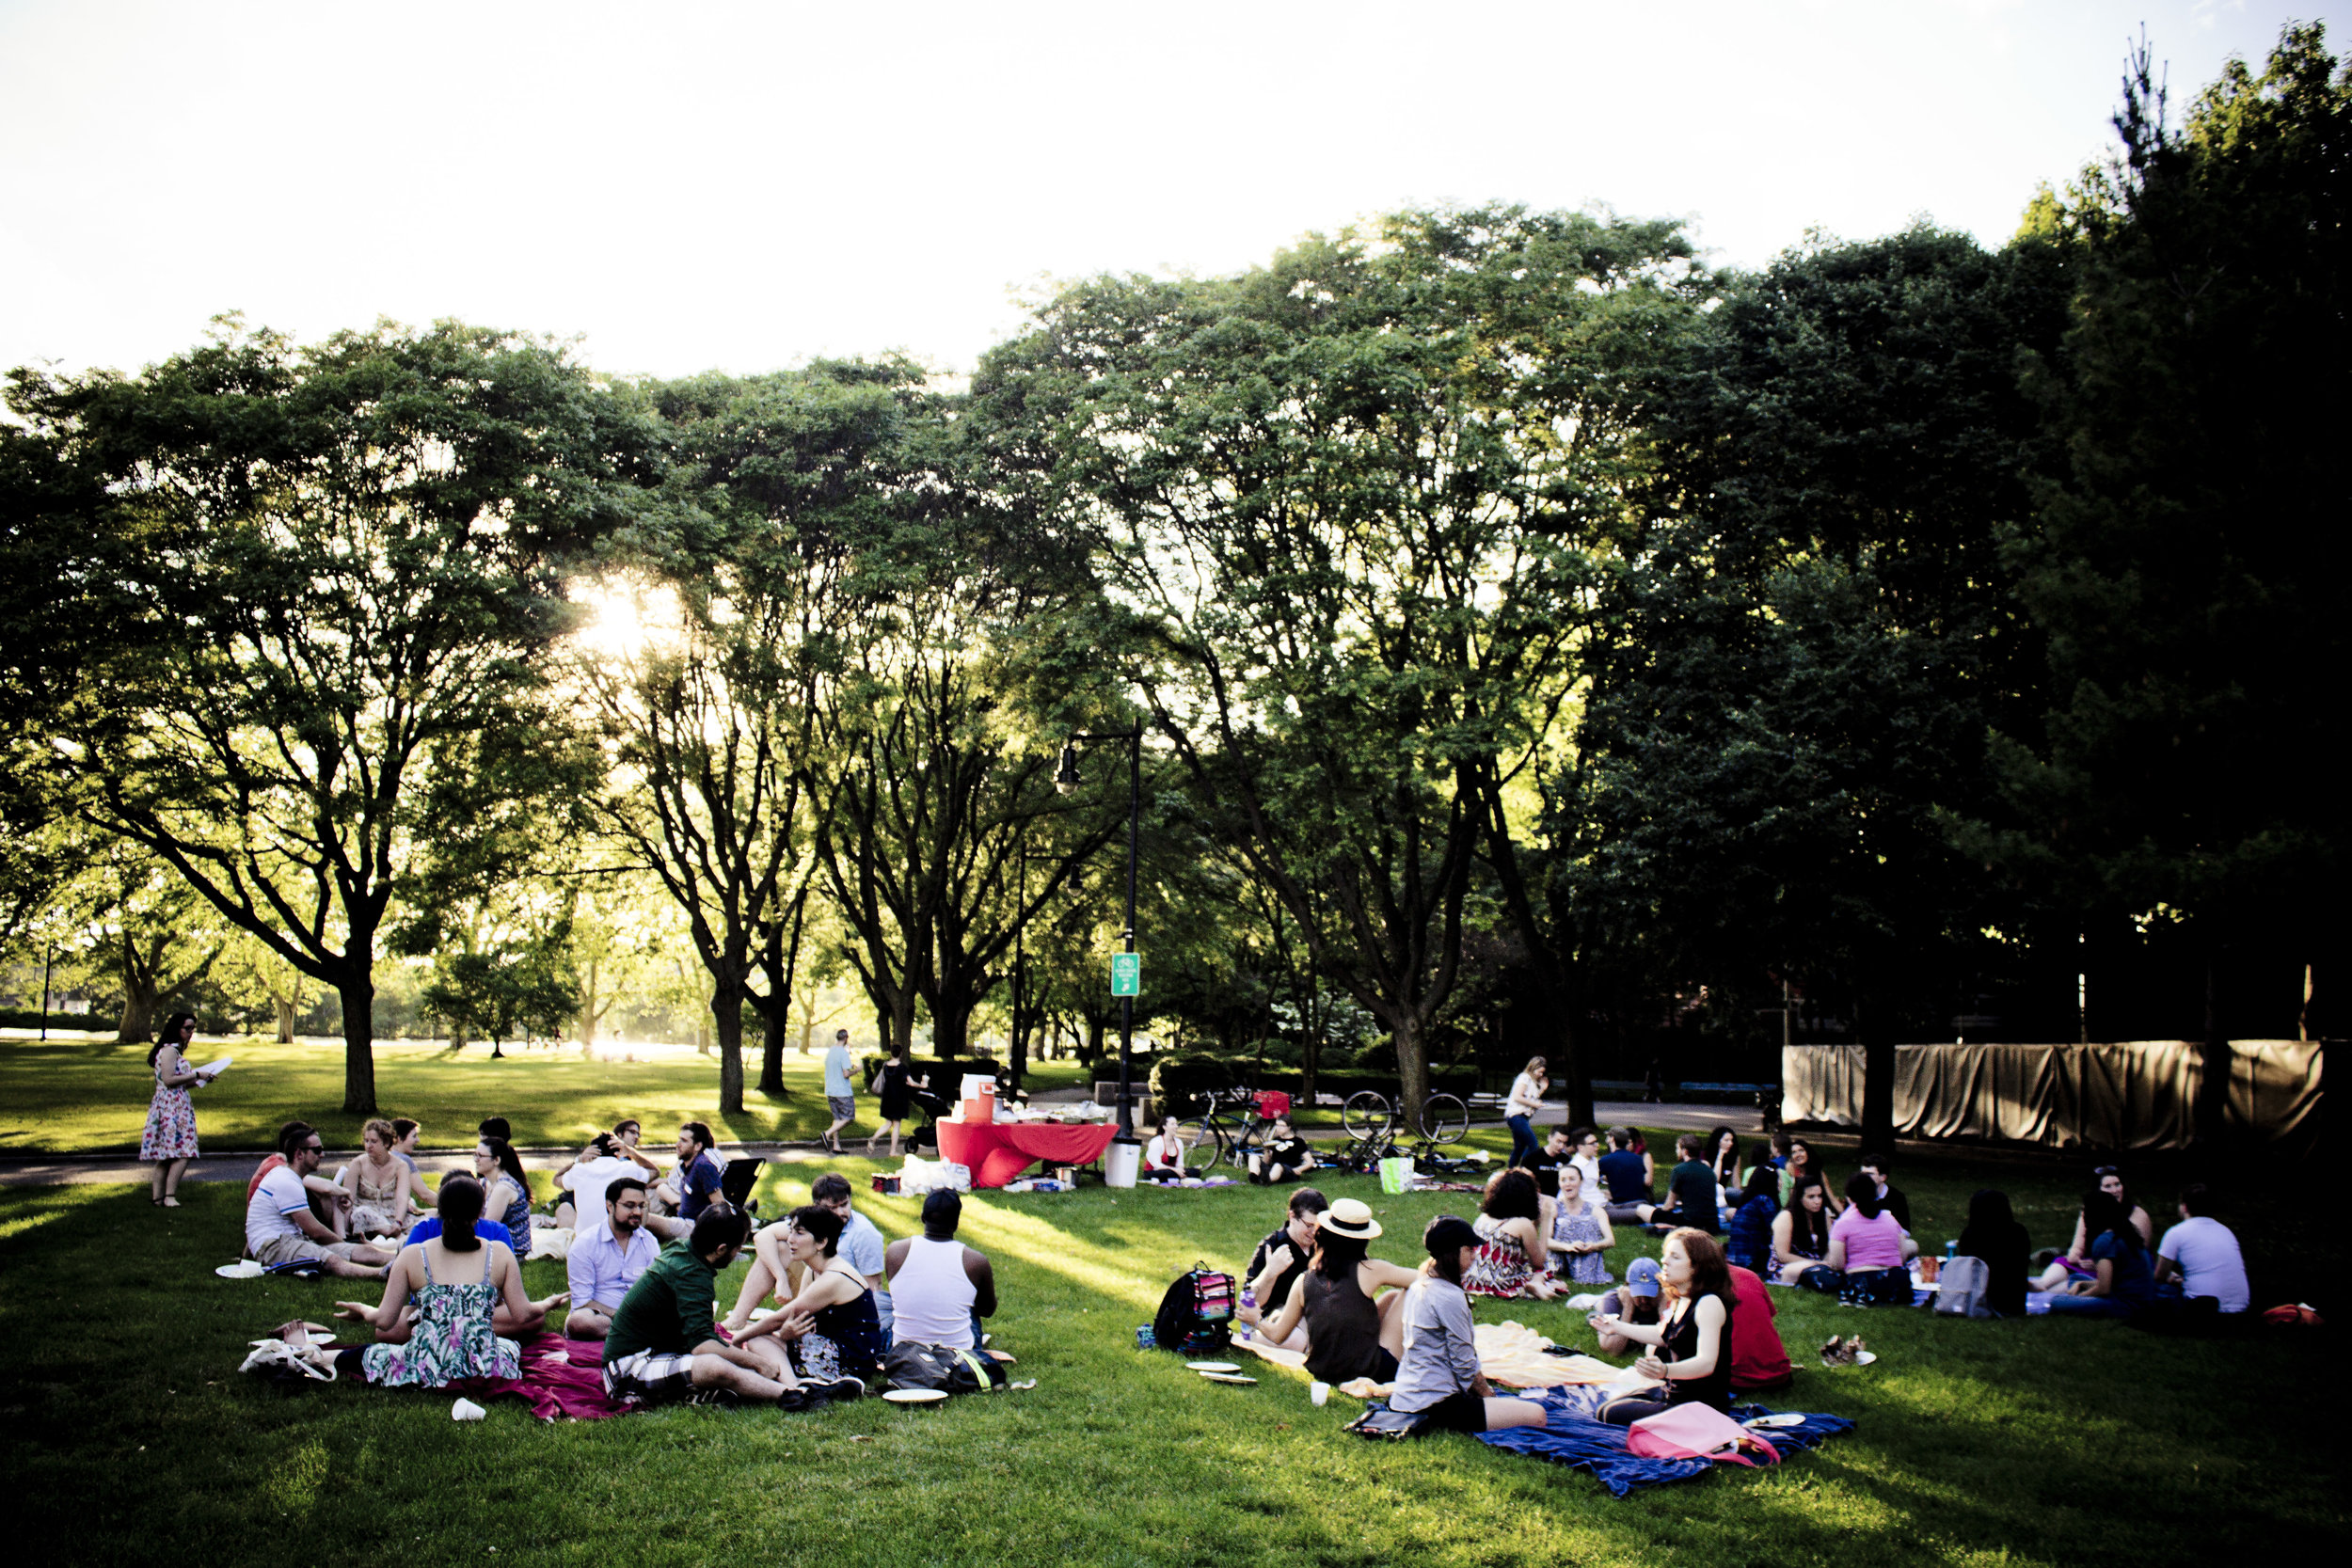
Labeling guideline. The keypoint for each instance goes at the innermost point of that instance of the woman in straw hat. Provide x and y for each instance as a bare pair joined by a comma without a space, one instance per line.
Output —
1352,1331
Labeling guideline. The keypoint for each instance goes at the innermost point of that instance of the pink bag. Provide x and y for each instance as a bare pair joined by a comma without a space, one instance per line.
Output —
1696,1431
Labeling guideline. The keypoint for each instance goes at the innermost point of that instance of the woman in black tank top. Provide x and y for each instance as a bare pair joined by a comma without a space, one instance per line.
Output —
1349,1334
1693,1334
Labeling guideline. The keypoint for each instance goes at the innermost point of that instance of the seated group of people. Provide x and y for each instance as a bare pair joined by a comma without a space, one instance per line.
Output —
1313,1287
454,1305
1281,1156
380,1200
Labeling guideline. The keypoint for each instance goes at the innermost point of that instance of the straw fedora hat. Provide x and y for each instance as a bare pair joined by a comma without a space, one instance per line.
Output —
1350,1216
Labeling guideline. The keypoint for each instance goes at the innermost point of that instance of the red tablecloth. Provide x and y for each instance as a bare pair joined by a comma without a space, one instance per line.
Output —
998,1151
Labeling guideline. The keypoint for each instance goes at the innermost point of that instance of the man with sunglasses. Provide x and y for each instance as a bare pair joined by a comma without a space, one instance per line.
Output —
279,1226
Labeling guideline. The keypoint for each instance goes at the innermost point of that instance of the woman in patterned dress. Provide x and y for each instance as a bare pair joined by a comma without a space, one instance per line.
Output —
1513,1259
169,1141
458,1281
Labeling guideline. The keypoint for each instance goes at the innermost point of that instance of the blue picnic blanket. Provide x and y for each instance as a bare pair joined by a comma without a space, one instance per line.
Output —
1573,1439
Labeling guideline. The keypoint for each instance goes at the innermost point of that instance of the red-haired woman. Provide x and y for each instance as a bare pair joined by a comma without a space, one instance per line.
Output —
1692,1333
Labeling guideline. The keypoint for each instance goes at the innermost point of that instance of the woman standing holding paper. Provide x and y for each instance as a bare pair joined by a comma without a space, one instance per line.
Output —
169,1141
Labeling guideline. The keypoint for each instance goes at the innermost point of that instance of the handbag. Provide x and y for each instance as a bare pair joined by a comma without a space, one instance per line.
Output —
1379,1421
1696,1431
1396,1173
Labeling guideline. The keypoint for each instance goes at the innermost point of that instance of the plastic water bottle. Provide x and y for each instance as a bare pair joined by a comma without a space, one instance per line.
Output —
1951,1250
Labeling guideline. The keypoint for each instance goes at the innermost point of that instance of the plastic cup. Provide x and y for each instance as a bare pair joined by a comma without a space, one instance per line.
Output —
465,1410
1319,1392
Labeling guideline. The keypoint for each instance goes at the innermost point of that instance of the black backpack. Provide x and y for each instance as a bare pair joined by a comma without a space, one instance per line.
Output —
1196,1313
913,1365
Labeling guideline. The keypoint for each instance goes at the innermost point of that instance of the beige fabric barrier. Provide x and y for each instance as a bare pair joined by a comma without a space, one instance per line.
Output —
2128,1095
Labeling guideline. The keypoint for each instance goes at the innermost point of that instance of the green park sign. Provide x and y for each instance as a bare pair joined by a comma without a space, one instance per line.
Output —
1126,974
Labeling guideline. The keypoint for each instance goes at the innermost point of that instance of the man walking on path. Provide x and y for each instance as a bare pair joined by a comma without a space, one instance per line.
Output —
840,1091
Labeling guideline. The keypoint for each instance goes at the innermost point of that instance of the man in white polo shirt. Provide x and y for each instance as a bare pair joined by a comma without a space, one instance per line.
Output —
2204,1254
279,1226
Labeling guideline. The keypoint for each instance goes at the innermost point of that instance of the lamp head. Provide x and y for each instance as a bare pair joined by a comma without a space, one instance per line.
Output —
1065,778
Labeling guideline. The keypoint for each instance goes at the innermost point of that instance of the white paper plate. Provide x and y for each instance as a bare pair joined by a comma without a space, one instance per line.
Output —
915,1396
1785,1418
1866,1357
1227,1377
1213,1366
245,1268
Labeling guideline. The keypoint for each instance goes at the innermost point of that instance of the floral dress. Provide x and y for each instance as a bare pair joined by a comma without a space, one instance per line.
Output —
1581,1268
170,1116
451,1337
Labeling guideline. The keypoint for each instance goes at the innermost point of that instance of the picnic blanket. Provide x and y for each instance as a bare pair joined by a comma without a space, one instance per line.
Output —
561,1377
1572,1437
1508,1353
2037,1302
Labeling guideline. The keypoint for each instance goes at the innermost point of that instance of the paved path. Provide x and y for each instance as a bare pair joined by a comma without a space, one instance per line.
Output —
56,1169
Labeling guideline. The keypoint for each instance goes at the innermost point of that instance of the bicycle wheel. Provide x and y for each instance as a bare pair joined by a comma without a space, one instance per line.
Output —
1444,1118
1204,1143
1365,1116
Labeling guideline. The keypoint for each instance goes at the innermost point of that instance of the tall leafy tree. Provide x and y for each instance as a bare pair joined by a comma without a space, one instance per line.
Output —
2187,562
775,481
1352,495
330,565
1811,635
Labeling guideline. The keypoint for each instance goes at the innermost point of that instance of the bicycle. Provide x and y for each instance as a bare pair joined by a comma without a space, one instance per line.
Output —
1231,1141
1370,1122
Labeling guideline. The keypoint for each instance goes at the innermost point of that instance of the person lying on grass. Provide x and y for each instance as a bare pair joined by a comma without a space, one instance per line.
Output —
1437,1376
437,1321
661,1346
829,1332
1691,1337
1337,1314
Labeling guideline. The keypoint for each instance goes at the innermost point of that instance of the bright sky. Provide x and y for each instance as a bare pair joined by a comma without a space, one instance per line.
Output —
740,186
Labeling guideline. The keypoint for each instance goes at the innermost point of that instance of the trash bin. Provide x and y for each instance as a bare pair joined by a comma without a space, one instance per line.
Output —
1121,1160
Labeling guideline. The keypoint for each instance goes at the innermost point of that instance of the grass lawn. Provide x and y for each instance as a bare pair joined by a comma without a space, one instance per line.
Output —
132,1438
79,1095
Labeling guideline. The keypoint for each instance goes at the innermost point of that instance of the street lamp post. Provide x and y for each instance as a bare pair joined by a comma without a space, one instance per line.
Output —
1066,780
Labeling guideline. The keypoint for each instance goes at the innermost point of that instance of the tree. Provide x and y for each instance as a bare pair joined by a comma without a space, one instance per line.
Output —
330,567
2184,561
1810,637
775,481
1351,495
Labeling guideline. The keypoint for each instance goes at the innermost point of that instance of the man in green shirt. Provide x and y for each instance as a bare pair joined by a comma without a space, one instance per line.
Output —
661,1346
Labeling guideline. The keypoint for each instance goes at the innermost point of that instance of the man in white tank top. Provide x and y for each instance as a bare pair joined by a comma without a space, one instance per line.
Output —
938,1286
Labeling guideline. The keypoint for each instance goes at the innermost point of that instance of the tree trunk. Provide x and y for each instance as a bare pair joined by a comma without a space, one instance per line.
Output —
140,990
285,1017
588,1007
1878,1080
951,1023
1412,1068
726,1012
783,961
357,991
2212,1090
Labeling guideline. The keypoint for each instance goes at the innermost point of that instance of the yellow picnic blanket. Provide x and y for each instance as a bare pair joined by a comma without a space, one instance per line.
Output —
1510,1354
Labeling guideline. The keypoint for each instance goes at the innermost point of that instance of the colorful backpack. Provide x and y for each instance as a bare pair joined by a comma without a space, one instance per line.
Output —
1196,1313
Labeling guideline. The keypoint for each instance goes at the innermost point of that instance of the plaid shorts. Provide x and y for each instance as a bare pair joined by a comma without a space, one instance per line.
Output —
650,1377
843,1106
